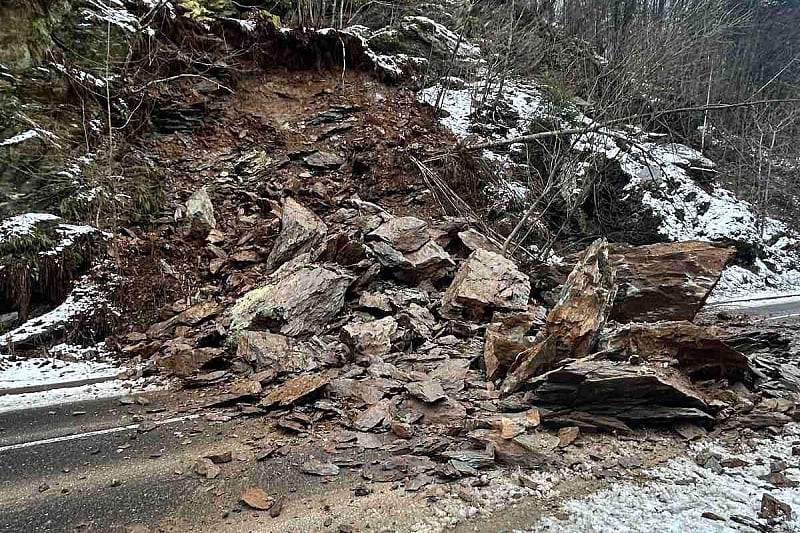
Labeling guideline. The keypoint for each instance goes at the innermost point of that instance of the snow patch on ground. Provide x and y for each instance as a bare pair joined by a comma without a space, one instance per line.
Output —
682,491
85,301
22,137
105,389
21,225
51,371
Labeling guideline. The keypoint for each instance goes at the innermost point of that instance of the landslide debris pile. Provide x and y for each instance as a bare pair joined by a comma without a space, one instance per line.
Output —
423,335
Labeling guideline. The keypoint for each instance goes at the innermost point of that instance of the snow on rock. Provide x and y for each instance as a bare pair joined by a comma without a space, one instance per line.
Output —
681,491
661,179
86,302
21,225
439,37
25,135
111,12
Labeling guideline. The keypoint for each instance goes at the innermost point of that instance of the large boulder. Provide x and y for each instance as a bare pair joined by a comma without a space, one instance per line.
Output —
265,350
301,231
200,212
633,394
699,351
485,283
573,326
406,234
299,299
666,281
403,246
370,339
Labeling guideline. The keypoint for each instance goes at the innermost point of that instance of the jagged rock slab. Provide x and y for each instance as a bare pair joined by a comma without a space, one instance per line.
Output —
637,394
573,326
405,234
200,212
370,339
298,300
656,282
506,337
486,282
274,351
301,231
295,390
697,350
429,391
666,281
183,360
323,160
402,247
193,316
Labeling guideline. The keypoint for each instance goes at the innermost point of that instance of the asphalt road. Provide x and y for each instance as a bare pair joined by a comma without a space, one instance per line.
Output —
770,308
96,472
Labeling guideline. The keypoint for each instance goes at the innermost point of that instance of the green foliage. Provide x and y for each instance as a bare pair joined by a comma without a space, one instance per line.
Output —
109,198
205,10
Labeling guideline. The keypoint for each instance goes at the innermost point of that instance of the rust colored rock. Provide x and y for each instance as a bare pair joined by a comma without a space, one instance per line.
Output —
698,350
573,326
666,281
301,231
406,234
486,282
182,362
567,436
771,507
256,498
506,337
295,389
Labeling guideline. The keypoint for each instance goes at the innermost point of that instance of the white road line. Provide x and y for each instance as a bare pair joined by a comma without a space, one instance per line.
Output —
76,436
782,316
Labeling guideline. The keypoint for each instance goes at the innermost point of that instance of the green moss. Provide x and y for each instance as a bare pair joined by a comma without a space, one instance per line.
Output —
205,10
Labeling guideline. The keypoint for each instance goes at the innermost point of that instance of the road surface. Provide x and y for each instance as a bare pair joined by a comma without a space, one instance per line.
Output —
772,308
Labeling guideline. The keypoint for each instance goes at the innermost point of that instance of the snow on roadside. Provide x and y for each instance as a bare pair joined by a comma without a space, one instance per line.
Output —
681,491
38,372
84,302
60,396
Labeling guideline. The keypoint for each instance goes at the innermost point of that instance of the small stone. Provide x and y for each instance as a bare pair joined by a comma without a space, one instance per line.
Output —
318,468
146,426
772,507
712,516
567,436
276,508
206,468
221,457
256,498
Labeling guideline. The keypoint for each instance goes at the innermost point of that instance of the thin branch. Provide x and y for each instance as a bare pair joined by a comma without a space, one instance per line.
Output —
171,78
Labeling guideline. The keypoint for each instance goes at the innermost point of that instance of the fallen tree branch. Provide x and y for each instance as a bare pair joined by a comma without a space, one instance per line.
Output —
172,78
